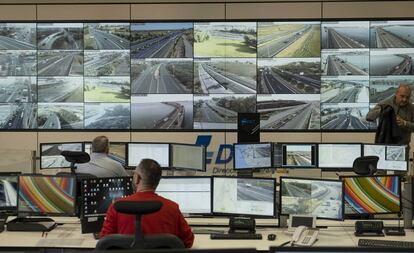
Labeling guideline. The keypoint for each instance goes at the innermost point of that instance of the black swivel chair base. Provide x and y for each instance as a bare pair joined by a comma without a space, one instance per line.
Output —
159,241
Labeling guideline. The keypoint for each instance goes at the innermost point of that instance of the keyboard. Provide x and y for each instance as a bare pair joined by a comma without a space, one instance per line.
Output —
234,236
384,244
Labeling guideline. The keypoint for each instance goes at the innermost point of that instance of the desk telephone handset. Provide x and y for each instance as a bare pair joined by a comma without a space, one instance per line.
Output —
304,236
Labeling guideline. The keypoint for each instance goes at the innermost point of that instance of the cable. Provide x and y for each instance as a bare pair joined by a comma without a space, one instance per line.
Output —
284,244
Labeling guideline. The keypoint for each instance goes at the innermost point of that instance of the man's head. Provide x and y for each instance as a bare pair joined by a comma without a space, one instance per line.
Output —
402,95
100,144
147,175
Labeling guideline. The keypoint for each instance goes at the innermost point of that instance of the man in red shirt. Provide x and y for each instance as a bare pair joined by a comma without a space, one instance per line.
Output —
168,220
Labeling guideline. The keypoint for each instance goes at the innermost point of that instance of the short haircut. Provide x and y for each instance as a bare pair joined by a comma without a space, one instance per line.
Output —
150,172
100,144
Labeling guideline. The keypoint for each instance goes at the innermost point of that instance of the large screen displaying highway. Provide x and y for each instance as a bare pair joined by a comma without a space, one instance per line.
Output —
298,75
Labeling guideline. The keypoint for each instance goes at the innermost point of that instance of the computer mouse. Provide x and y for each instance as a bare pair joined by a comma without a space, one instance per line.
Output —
271,237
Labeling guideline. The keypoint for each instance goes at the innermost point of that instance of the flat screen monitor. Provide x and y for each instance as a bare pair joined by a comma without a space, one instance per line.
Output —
8,192
372,194
50,154
336,156
117,151
44,194
277,155
244,196
391,157
318,197
98,194
159,152
299,155
188,157
252,156
192,194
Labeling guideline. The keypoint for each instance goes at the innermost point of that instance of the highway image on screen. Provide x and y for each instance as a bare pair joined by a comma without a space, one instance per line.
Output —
17,36
188,157
220,111
289,111
8,191
50,154
312,197
381,88
388,34
59,36
18,63
60,116
218,75
345,34
193,195
345,62
107,115
169,76
60,89
156,151
18,89
328,155
289,76
223,39
157,111
106,36
390,157
392,61
162,40
288,39
60,63
114,89
299,155
107,63
250,156
346,89
243,196
344,116
18,115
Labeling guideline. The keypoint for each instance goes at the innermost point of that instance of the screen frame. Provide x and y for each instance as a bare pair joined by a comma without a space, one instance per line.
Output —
56,143
32,213
386,145
314,153
312,179
127,165
251,168
171,156
340,169
275,211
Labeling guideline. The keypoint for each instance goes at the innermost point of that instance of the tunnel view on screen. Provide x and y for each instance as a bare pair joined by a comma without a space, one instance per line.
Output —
328,155
8,192
185,156
252,155
299,155
41,194
159,152
391,157
50,154
192,194
244,196
372,195
99,193
117,151
321,198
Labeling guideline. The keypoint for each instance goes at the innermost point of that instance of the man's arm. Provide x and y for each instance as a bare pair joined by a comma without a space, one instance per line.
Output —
374,113
185,232
110,224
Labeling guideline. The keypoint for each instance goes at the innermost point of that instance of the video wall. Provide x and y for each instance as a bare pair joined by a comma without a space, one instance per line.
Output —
306,75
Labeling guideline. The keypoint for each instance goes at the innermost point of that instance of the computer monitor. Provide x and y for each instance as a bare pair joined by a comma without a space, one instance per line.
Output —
244,196
188,157
372,194
391,157
160,152
277,155
338,156
299,155
45,194
252,156
192,194
117,151
50,154
8,191
98,194
322,198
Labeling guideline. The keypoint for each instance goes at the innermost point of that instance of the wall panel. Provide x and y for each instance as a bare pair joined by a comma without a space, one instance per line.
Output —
17,12
84,12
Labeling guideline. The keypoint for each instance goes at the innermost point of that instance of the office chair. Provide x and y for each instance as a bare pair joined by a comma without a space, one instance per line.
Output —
75,157
365,165
139,241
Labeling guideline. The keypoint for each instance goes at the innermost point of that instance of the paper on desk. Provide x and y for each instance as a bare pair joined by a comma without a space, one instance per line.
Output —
59,242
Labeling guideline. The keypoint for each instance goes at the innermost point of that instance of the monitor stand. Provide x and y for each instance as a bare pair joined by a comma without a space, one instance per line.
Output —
31,224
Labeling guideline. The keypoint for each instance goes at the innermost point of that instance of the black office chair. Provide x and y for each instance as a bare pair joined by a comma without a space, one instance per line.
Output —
139,241
365,165
75,157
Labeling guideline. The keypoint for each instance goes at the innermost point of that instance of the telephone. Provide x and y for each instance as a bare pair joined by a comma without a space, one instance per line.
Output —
304,236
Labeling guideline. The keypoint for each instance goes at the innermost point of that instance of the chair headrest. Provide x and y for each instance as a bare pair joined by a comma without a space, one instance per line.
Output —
137,207
365,165
76,156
